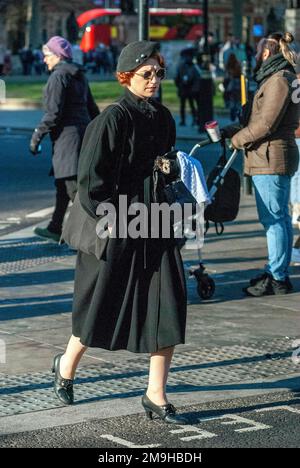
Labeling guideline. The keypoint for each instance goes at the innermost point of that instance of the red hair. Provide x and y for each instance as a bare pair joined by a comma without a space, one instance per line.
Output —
124,78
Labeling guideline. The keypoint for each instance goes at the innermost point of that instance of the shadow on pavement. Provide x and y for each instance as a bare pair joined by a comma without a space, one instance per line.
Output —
31,278
35,306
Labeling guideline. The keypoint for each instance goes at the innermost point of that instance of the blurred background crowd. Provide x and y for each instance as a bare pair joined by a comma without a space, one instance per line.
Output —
98,29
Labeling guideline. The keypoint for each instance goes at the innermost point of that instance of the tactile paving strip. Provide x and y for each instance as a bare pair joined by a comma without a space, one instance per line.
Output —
18,255
203,368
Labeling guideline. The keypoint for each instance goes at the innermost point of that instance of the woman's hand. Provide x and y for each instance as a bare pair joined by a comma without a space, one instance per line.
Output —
234,143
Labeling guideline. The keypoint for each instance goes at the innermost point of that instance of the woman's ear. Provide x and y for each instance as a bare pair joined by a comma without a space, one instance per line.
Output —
265,54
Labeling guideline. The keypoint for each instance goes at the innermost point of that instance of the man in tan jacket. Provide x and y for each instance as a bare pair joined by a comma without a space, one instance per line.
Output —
271,156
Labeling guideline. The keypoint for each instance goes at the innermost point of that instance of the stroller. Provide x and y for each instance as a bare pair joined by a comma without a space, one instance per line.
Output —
169,164
205,284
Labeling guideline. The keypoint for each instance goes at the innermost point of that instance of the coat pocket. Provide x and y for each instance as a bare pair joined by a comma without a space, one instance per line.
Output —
260,156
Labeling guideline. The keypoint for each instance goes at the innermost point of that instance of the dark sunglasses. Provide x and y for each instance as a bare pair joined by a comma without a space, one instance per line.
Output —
161,74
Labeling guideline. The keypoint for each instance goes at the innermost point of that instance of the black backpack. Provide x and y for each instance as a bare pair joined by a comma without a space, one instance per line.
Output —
225,204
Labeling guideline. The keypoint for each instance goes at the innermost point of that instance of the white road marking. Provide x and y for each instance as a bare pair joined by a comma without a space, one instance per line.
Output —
201,434
278,306
235,419
9,222
6,136
126,443
282,407
41,213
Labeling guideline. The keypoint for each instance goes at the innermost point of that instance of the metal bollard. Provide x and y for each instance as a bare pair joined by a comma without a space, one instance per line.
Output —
248,185
247,182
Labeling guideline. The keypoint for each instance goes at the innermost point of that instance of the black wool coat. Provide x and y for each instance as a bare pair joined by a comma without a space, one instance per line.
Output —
134,297
69,107
188,80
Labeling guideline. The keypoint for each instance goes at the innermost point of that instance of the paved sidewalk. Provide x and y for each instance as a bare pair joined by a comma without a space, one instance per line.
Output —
235,345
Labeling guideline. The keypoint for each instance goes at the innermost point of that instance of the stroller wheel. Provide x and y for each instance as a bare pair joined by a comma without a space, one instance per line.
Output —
205,287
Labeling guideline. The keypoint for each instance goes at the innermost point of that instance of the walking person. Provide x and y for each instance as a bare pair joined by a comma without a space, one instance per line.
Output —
187,81
38,63
2,58
27,59
233,87
134,296
69,107
271,157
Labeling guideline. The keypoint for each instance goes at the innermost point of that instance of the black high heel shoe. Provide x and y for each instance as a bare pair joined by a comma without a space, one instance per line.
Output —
63,387
165,412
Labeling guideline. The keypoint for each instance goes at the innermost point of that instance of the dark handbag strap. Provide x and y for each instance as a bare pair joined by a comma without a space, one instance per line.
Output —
219,227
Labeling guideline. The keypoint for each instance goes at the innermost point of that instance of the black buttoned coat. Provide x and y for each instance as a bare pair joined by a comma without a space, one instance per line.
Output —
134,297
69,107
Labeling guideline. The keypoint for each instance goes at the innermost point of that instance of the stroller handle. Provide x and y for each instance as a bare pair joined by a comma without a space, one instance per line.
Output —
201,144
220,178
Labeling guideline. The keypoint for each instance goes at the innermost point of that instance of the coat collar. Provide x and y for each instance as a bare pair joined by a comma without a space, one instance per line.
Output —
144,105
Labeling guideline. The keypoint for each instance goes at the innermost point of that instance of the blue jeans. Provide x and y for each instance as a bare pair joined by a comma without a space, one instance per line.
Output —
272,194
295,182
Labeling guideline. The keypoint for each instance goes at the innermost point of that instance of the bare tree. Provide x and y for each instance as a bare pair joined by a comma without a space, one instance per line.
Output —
7,6
33,26
8,3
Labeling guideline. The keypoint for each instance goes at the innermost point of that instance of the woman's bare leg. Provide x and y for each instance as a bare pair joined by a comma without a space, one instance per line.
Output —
70,360
158,375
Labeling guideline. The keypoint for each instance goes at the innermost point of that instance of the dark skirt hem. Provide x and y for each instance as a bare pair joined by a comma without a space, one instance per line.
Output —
101,346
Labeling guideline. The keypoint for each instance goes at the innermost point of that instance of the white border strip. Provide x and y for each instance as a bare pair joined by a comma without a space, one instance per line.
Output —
42,213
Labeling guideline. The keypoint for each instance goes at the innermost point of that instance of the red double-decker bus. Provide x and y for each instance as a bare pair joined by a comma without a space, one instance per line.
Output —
165,24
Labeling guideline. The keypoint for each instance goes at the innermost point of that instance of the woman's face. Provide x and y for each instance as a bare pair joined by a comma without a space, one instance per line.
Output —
50,59
141,84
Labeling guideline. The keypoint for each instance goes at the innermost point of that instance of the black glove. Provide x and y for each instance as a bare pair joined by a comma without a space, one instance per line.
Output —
230,130
35,141
171,154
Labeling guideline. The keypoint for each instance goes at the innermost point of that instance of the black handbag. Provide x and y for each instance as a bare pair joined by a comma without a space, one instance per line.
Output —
79,230
177,192
172,190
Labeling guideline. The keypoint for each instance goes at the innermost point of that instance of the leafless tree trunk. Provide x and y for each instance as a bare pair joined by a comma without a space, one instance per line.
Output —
237,8
33,26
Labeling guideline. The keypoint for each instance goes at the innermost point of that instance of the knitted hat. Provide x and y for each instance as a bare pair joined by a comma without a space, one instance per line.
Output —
135,54
60,47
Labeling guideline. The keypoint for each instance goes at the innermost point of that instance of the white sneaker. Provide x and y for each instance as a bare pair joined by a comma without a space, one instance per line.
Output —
295,255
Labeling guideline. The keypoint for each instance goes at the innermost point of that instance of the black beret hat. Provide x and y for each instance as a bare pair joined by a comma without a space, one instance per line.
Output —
135,54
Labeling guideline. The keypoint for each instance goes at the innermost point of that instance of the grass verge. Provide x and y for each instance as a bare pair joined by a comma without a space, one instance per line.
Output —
103,91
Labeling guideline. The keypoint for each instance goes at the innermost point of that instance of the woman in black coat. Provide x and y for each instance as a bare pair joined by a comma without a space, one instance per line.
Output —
134,297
